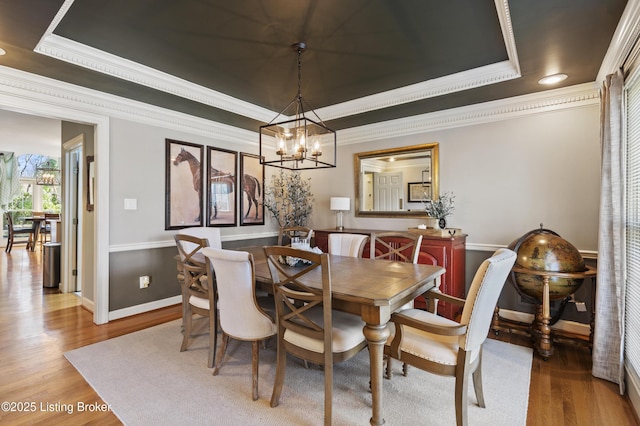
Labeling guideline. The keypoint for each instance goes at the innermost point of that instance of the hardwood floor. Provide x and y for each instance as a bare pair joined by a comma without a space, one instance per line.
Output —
38,325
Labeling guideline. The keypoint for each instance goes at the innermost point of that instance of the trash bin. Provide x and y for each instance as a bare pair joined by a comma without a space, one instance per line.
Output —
51,265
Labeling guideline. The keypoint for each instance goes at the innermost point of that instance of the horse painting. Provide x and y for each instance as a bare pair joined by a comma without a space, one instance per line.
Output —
251,186
194,165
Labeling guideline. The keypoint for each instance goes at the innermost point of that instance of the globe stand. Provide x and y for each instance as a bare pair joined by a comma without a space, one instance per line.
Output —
540,328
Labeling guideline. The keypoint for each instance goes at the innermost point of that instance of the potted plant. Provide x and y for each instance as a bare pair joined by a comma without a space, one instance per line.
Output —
289,199
440,208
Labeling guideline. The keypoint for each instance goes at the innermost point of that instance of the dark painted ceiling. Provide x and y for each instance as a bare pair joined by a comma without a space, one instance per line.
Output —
355,48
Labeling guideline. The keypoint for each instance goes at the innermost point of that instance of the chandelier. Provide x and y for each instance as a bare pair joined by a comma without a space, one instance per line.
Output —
298,142
47,174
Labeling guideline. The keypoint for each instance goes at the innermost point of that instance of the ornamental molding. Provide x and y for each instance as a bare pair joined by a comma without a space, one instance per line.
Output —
94,59
20,90
566,98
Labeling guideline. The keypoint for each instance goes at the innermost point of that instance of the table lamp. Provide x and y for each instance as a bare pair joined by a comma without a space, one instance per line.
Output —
340,204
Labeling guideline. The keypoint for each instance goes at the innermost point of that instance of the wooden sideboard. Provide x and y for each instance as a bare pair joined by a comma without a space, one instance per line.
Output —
449,252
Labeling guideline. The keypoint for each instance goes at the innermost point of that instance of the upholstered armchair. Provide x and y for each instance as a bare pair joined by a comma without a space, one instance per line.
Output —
445,347
241,317
347,244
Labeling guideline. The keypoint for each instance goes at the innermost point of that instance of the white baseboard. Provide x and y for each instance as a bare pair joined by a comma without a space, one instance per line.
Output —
87,304
633,388
145,307
568,326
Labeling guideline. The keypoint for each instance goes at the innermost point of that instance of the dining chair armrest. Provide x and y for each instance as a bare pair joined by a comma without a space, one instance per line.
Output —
401,319
437,294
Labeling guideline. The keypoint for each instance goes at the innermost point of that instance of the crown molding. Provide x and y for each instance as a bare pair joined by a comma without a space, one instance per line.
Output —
569,97
94,59
19,89
465,80
18,85
97,60
623,41
504,17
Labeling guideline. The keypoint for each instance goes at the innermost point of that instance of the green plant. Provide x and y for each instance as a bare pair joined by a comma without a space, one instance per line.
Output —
441,207
289,199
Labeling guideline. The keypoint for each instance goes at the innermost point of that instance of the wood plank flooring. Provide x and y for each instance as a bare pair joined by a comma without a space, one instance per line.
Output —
38,325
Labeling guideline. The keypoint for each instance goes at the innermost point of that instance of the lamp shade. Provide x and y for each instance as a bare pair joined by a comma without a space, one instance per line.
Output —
340,203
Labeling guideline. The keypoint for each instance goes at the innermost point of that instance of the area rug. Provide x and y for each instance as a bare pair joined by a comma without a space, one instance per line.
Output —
147,380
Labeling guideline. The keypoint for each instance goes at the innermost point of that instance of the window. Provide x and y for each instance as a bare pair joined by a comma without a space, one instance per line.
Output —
632,195
34,197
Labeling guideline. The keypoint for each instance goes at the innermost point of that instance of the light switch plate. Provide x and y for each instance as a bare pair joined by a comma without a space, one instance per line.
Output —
130,204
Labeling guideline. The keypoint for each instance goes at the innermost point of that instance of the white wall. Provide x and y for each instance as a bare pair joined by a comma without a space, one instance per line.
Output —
508,177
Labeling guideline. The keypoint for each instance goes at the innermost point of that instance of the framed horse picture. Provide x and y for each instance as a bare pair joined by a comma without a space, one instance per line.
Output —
252,173
183,182
221,187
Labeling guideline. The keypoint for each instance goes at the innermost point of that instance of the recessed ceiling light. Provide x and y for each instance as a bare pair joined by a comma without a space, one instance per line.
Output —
552,79
2,52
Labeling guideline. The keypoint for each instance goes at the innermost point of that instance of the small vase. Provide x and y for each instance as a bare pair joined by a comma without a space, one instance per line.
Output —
442,223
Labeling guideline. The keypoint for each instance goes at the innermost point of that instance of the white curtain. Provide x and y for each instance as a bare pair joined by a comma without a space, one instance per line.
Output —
9,178
608,341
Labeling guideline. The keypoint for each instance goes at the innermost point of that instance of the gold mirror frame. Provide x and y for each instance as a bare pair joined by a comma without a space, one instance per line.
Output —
415,149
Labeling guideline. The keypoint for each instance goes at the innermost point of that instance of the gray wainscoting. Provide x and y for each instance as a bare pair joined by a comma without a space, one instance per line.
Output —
125,268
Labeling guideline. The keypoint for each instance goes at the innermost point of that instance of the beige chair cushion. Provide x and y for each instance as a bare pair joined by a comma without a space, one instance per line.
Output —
239,314
199,302
346,334
211,234
346,244
432,347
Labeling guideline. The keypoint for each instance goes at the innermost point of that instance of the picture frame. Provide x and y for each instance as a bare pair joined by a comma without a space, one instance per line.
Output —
183,184
252,184
416,191
91,182
222,187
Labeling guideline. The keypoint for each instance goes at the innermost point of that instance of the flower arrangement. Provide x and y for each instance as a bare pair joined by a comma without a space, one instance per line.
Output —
441,207
289,199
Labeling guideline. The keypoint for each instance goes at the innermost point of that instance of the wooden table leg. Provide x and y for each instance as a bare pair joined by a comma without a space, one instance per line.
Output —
376,335
545,347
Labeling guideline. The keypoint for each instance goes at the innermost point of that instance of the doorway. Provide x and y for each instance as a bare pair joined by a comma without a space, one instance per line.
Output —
72,261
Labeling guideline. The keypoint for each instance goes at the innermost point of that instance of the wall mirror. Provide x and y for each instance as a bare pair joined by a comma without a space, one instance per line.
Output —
395,182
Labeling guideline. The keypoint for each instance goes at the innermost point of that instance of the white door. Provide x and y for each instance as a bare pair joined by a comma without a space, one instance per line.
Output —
72,217
388,191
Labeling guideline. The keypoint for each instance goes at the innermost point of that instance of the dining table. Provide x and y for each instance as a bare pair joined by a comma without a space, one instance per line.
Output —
36,223
372,289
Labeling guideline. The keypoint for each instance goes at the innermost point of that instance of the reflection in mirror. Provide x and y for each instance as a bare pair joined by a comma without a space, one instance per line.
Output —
396,182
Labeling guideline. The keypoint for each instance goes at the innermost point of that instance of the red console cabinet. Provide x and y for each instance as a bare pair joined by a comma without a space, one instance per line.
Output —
448,252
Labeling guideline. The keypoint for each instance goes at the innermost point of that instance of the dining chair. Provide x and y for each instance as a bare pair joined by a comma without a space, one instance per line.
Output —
398,246
213,238
211,234
45,229
347,244
15,231
308,327
448,348
290,234
198,291
241,317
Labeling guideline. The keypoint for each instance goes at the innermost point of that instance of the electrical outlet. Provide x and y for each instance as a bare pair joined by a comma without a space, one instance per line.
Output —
145,280
581,307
